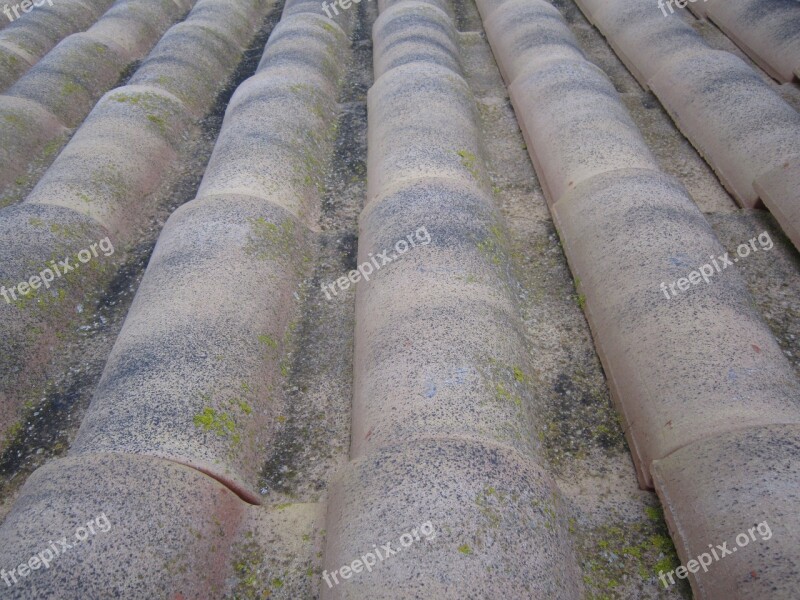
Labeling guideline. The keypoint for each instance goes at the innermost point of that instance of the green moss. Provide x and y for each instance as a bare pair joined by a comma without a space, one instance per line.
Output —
501,392
211,420
492,246
619,552
9,62
580,297
665,565
299,88
583,407
52,147
15,120
258,575
13,434
490,504
654,513
159,111
465,549
267,341
70,87
137,99
111,180
469,160
69,232
269,240
519,375
226,420
247,567
159,122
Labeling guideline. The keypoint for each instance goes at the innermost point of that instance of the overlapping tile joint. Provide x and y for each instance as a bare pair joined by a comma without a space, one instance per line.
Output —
101,108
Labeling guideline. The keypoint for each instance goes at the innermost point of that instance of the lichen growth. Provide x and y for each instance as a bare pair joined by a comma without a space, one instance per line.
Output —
159,111
268,240
580,297
620,550
220,423
70,87
469,160
228,418
580,422
159,122
262,572
52,147
267,341
493,246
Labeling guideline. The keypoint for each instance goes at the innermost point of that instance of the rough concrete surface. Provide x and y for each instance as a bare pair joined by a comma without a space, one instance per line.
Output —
384,315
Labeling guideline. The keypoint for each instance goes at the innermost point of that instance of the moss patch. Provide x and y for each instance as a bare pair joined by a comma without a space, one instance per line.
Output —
221,423
268,240
582,420
620,551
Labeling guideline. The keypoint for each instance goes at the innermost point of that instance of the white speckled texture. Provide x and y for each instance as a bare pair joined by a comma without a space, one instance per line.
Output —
442,414
29,38
768,30
718,489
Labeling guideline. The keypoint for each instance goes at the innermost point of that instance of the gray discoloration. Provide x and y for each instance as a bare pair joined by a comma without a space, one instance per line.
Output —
165,519
485,503
768,30
312,438
40,341
433,40
26,40
212,373
468,367
442,413
63,87
742,128
655,213
718,489
738,384
519,47
771,275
